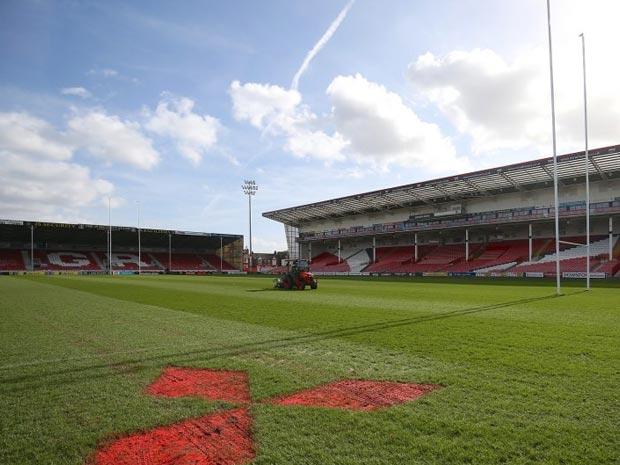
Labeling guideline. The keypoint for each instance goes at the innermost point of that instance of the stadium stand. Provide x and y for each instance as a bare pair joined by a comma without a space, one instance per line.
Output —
357,259
504,255
193,262
389,259
72,248
572,258
400,259
610,267
505,215
352,260
440,258
129,261
58,260
494,256
569,264
11,259
63,260
214,261
328,263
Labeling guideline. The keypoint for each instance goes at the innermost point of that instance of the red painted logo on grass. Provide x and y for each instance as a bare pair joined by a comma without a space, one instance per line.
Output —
225,438
357,395
228,386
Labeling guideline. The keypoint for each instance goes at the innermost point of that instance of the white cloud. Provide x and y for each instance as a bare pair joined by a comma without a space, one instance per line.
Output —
382,130
373,126
49,182
500,105
262,104
113,140
192,133
76,91
278,111
105,72
316,144
504,104
113,202
109,73
37,180
25,134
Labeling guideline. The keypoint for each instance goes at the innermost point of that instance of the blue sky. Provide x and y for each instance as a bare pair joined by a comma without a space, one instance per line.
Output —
174,104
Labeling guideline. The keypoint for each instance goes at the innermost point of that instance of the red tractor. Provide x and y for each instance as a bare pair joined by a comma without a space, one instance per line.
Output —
298,277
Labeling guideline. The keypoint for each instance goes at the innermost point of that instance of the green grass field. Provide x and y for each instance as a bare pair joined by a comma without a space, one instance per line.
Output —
529,377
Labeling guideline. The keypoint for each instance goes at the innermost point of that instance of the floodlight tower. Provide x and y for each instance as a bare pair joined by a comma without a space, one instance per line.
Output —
249,188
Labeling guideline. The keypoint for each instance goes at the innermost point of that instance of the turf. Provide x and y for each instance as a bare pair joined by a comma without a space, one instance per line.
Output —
528,377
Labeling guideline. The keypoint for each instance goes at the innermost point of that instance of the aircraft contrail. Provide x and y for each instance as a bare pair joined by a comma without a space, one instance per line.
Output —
320,44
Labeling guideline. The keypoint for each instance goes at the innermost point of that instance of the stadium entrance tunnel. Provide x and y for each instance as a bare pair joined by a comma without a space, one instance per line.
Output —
225,437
